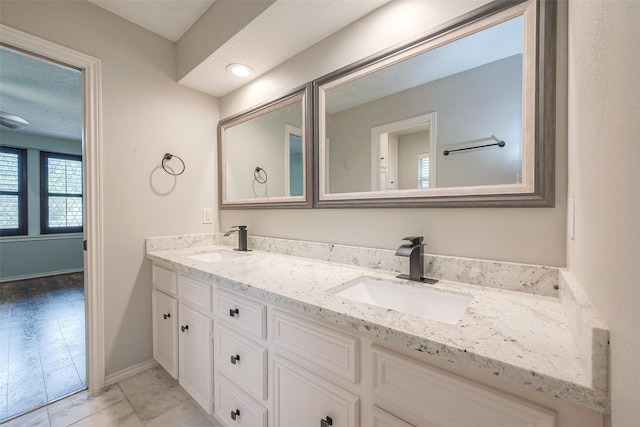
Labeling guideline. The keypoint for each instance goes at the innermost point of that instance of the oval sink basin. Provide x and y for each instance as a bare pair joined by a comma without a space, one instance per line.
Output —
215,256
426,303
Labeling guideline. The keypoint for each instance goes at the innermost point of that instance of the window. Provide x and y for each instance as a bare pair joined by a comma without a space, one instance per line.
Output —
13,191
423,170
60,193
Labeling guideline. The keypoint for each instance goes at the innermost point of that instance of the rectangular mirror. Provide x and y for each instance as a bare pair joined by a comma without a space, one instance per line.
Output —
463,117
265,155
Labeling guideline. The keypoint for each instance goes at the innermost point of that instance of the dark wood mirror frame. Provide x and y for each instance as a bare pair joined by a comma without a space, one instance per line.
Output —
544,129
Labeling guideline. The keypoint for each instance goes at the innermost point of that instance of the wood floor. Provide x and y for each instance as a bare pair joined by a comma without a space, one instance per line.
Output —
42,342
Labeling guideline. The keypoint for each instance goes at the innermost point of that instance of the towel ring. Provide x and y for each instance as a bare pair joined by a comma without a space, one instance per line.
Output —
169,156
258,176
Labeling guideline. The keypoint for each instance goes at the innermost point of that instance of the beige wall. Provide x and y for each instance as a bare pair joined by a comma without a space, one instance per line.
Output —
604,156
469,105
520,235
145,114
259,142
409,149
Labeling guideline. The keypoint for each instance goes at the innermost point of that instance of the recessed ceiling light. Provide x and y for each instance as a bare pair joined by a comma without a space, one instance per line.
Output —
239,70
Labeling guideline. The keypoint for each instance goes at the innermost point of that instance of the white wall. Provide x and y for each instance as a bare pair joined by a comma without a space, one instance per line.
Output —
145,114
520,235
604,156
28,256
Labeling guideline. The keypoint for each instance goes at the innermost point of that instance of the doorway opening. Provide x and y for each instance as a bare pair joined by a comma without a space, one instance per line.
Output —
403,154
42,298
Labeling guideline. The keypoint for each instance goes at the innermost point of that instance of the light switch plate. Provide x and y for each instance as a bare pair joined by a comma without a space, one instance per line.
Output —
571,218
207,215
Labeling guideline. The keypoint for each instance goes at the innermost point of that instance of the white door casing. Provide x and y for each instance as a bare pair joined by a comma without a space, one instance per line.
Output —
92,165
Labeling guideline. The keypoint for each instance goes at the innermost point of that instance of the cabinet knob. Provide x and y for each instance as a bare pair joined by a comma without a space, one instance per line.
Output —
184,328
235,414
233,312
326,422
166,316
235,359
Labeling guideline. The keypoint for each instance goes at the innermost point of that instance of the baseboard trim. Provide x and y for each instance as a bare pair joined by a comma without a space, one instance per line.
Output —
129,372
39,275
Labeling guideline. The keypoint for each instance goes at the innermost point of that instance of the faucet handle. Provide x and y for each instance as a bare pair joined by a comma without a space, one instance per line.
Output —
240,227
415,240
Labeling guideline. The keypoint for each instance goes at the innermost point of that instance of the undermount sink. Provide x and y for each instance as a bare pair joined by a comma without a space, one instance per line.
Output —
429,304
215,256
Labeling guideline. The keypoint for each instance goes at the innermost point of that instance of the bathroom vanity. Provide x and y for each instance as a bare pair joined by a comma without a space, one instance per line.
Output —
264,339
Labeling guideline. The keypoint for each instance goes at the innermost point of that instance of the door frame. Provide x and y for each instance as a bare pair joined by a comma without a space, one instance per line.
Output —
290,131
380,134
92,165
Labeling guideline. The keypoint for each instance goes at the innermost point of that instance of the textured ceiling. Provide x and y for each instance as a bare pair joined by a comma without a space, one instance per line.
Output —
47,95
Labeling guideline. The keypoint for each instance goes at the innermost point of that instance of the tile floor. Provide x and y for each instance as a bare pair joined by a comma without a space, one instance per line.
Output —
42,342
151,398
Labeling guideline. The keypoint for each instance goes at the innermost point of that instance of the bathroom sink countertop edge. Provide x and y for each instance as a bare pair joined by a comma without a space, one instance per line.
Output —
522,338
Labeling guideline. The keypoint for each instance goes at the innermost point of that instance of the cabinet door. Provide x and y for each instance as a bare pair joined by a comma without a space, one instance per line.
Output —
165,331
196,355
305,399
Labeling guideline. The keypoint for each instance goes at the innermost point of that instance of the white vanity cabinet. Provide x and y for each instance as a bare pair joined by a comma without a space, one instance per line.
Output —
241,358
302,398
165,331
430,396
195,339
384,419
310,359
164,305
196,356
183,331
264,366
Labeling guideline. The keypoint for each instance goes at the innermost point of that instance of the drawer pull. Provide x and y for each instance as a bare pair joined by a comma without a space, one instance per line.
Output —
326,422
233,312
235,414
184,328
235,359
166,316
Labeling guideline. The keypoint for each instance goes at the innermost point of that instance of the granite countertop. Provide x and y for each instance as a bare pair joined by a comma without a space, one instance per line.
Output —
522,338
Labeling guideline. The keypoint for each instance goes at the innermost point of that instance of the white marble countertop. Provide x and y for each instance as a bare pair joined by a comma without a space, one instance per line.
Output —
522,338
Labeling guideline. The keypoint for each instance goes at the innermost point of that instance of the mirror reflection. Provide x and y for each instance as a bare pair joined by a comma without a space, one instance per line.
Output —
451,116
263,155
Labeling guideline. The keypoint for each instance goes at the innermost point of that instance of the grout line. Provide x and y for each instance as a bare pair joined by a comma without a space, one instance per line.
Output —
48,414
133,408
93,413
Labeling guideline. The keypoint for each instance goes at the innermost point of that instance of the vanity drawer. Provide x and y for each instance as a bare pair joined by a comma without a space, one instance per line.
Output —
235,408
328,349
244,314
243,361
302,399
164,280
384,419
440,398
195,292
